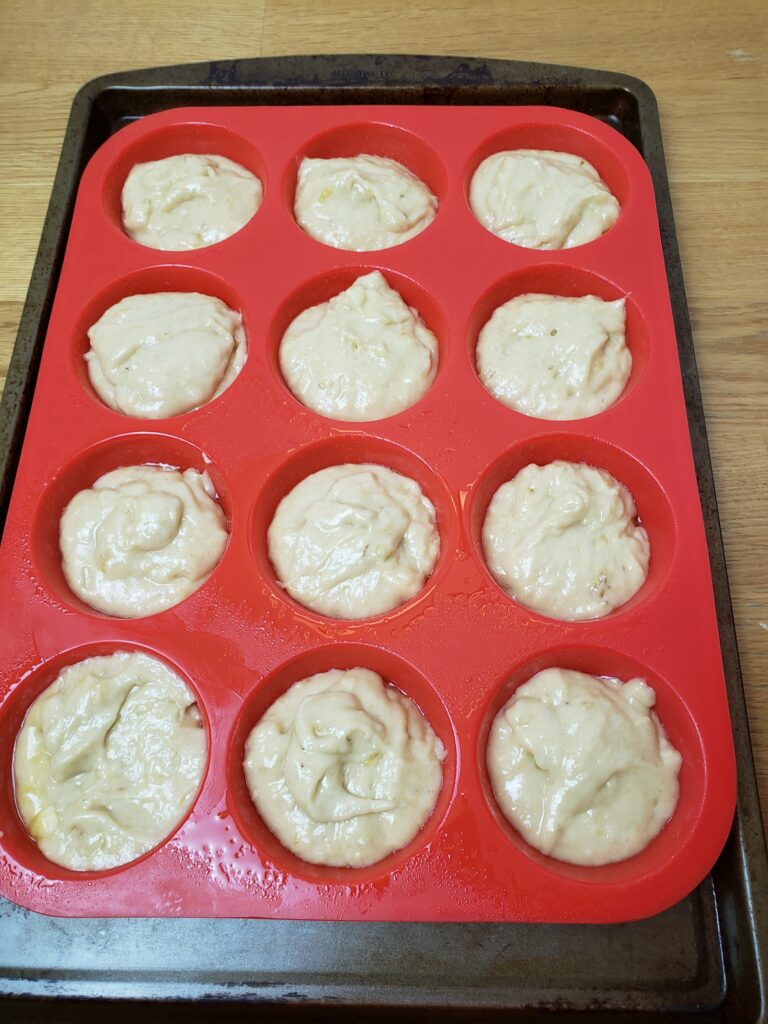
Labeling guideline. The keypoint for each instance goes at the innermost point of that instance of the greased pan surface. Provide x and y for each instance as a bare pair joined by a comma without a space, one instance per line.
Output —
681,962
460,646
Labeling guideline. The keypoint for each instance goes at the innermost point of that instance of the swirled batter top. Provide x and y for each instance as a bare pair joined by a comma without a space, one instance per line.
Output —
563,540
343,768
108,760
353,541
361,203
165,353
542,199
362,355
188,201
581,766
554,357
141,539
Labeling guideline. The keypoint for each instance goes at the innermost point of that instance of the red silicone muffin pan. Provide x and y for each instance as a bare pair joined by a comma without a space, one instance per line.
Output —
461,646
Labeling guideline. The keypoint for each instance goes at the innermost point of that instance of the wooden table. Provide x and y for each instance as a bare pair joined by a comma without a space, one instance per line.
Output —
706,61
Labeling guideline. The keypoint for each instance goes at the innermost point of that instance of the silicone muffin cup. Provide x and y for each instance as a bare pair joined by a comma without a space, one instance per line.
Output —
461,645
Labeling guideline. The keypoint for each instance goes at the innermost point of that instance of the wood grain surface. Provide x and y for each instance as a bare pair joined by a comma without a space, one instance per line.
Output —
707,63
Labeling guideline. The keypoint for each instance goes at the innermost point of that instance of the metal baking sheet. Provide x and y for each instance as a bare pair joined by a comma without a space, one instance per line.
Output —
704,958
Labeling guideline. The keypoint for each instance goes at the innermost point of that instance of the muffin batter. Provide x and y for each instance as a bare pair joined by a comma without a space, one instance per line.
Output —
581,766
542,199
563,540
343,768
164,354
141,539
553,357
354,541
362,355
108,760
188,201
361,202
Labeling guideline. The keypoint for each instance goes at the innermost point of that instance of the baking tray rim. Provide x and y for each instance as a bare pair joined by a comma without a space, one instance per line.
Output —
348,71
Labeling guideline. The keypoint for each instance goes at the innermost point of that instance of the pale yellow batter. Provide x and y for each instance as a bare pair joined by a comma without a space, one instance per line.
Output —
343,768
542,199
362,355
141,539
353,541
563,540
361,203
553,357
581,766
108,760
164,354
188,201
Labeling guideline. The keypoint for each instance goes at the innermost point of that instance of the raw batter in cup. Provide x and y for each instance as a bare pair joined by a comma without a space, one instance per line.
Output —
361,203
343,768
188,201
362,355
542,199
108,760
581,766
553,357
354,541
563,540
164,354
142,539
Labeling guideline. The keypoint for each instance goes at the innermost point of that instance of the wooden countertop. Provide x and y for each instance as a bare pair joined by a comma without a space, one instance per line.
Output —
707,62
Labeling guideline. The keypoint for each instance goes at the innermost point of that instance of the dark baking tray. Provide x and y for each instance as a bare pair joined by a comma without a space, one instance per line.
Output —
703,959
